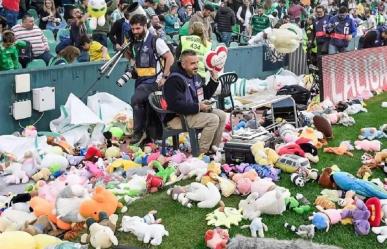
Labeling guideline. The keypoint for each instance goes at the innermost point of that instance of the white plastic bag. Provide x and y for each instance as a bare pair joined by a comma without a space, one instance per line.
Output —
106,106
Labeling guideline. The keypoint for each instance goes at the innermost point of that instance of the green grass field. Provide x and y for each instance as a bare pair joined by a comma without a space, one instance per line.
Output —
187,226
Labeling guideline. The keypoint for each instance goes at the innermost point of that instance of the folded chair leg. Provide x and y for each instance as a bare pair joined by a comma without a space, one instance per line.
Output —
163,146
194,142
175,142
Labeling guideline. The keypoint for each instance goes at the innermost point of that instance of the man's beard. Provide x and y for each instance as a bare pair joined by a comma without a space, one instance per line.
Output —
140,36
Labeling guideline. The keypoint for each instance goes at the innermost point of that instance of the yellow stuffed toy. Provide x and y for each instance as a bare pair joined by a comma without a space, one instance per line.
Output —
213,172
262,155
122,163
23,240
97,10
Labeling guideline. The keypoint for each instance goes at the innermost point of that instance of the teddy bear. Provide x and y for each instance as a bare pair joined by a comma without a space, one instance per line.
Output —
43,174
97,10
272,202
216,238
18,175
208,195
213,171
262,155
102,200
179,193
146,232
13,220
367,145
257,226
381,232
227,186
360,216
69,201
101,234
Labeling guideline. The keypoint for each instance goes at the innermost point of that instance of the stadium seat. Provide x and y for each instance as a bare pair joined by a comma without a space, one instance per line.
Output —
19,21
52,45
36,63
49,35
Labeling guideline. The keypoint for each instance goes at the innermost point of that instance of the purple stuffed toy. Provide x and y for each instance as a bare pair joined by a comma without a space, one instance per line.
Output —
360,216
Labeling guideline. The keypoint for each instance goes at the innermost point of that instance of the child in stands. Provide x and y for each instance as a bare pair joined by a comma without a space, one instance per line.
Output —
9,51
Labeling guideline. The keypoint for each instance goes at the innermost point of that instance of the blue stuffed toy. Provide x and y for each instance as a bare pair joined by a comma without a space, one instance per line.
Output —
346,181
371,133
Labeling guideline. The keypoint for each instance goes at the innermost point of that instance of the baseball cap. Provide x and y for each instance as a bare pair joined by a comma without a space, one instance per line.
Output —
209,7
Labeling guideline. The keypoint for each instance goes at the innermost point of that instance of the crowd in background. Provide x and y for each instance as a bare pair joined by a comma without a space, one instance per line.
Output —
331,26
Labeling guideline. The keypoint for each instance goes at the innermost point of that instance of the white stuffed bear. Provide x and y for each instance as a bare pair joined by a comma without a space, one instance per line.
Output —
69,201
14,220
147,233
272,202
257,226
286,39
207,196
191,164
53,159
381,232
18,175
97,10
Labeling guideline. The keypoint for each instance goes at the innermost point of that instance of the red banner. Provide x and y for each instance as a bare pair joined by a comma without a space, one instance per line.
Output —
348,75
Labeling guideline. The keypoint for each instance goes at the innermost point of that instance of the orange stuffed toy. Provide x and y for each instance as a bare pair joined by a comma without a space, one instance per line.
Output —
43,207
343,149
102,201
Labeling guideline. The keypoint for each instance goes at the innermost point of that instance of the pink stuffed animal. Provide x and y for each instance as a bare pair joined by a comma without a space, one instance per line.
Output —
366,145
18,175
216,238
93,169
243,181
178,158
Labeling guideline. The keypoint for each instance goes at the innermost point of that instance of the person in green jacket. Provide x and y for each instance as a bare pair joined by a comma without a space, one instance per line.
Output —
9,55
259,21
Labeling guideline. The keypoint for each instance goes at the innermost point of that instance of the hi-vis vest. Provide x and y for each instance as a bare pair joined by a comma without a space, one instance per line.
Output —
193,42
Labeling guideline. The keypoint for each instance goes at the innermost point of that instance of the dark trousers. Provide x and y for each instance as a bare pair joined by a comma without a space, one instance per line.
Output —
322,48
139,104
46,56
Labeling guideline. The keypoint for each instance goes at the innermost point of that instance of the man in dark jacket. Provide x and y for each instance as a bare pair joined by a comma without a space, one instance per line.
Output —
185,95
374,38
224,20
120,31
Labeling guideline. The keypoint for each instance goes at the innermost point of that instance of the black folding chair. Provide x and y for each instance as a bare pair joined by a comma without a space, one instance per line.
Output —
155,102
226,80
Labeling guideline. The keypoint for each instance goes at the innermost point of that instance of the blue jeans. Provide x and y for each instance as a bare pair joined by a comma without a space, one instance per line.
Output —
334,50
225,37
101,39
84,56
11,17
46,56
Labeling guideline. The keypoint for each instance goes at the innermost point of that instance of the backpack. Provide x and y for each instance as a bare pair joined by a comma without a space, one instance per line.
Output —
25,54
300,94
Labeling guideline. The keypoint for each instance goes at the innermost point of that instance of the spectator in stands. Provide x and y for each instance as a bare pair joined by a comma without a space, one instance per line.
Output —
8,52
96,50
268,7
49,17
259,21
162,8
37,5
281,9
204,17
185,12
83,5
244,14
149,7
374,38
352,6
100,34
156,28
370,22
11,11
119,12
224,20
188,99
119,33
28,31
78,27
273,18
341,28
187,2
66,56
319,30
172,21
379,18
295,11
197,42
69,6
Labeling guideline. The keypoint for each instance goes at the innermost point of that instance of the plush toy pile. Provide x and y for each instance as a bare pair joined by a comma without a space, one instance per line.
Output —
75,191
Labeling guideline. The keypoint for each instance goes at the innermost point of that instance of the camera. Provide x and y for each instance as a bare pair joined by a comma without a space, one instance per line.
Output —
129,74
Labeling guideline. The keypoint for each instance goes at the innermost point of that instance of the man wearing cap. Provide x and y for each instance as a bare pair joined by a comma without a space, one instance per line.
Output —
149,7
203,17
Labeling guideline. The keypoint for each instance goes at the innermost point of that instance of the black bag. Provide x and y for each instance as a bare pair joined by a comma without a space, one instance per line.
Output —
300,94
25,54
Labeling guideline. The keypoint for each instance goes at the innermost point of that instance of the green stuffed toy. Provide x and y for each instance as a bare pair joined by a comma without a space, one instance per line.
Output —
293,204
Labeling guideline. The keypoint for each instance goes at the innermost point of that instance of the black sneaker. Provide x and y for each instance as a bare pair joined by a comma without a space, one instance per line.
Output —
136,138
